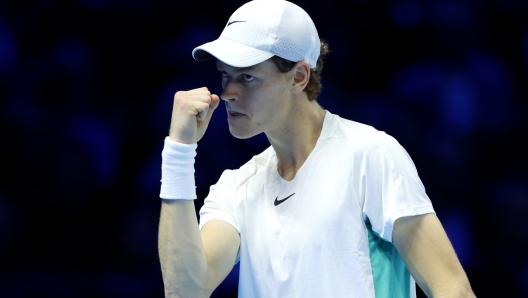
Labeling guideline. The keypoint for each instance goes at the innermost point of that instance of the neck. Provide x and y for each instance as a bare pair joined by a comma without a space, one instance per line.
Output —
296,138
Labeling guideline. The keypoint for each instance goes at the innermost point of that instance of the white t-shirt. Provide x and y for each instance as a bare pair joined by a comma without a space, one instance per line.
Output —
326,233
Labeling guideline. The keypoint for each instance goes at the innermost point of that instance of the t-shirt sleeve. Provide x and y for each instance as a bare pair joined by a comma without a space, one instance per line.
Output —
392,188
217,204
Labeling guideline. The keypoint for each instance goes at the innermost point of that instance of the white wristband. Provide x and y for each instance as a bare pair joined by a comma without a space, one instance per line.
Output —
177,171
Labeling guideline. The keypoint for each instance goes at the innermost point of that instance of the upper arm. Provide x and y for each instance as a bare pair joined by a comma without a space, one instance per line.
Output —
427,252
221,242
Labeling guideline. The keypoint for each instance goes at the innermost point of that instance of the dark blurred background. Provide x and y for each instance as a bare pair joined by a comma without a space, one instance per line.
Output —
86,90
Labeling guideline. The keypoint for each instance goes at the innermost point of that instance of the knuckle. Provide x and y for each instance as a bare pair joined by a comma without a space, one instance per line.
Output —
205,90
194,98
180,97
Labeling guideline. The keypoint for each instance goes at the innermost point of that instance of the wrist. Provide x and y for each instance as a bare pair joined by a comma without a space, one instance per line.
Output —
177,171
182,136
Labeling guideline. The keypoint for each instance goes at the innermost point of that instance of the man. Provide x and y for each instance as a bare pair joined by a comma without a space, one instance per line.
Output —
333,208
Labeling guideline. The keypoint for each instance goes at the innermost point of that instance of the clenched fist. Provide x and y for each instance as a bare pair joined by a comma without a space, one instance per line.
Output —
191,113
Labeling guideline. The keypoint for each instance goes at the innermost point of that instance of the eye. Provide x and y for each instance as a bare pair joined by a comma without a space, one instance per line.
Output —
224,73
248,78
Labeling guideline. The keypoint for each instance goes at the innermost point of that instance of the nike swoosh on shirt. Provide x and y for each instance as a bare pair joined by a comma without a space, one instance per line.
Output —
229,24
277,202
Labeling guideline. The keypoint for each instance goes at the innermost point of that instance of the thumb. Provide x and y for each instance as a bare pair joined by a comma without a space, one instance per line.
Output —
215,101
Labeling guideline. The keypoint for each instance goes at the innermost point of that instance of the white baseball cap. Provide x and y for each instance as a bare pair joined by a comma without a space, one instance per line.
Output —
261,29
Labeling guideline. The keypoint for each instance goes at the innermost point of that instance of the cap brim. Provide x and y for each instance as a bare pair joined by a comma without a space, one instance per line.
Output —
231,52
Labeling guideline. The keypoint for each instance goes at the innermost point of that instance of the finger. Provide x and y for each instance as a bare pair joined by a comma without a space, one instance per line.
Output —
201,111
200,89
202,96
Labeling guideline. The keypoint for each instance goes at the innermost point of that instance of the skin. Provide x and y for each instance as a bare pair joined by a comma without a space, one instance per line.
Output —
273,103
260,99
430,257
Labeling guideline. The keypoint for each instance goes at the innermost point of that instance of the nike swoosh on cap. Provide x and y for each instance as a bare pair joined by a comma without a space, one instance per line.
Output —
277,202
229,24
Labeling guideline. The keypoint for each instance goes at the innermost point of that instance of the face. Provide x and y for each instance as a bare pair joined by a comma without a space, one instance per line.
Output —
258,98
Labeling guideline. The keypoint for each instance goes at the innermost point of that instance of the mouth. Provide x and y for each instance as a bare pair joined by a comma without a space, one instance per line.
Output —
235,114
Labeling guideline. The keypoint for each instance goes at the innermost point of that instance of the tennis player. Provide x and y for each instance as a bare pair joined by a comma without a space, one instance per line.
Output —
333,208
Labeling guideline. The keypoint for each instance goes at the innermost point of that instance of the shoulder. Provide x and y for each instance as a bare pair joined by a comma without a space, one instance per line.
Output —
360,137
337,127
257,164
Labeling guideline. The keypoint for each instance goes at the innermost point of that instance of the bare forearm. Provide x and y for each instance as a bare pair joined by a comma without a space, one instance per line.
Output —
429,256
182,256
455,286
460,290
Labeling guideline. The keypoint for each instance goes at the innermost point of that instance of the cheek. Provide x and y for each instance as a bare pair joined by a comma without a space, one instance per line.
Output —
265,101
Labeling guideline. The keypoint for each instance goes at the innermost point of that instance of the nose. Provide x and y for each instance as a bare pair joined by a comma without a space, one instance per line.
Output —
230,92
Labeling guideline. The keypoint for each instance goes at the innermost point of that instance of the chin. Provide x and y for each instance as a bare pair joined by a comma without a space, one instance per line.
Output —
241,134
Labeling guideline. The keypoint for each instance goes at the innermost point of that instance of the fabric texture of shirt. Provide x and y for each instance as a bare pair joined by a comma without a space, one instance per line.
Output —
330,233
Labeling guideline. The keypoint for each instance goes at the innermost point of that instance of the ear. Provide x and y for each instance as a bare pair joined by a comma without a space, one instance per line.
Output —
301,76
